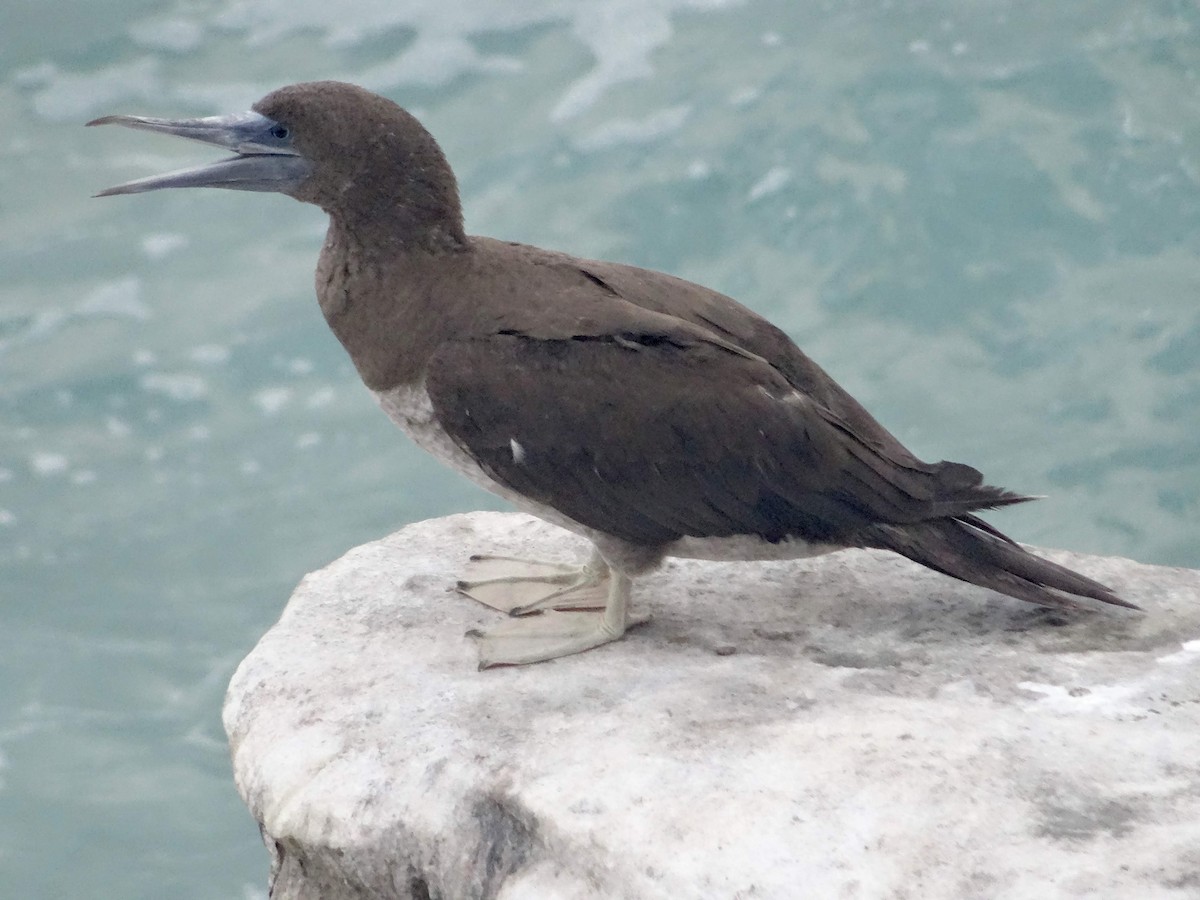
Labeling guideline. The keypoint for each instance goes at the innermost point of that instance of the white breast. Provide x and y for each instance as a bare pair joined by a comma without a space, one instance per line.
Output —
411,409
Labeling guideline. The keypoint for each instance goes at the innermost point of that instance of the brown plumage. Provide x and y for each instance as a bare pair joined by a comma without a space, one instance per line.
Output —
635,407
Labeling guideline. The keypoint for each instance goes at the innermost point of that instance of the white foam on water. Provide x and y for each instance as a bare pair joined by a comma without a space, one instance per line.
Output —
349,23
320,397
77,96
121,298
111,299
35,76
43,324
744,96
183,387
173,35
774,180
46,463
620,35
156,246
434,60
271,400
209,354
623,131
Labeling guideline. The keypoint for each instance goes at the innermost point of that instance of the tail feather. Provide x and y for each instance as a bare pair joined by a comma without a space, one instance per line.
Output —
973,551
987,527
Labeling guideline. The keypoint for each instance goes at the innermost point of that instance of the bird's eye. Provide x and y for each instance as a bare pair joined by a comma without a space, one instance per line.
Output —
280,132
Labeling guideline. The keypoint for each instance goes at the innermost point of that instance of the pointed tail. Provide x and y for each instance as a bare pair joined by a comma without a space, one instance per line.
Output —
972,551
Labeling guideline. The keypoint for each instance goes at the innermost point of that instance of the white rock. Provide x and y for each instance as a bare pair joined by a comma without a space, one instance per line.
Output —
851,726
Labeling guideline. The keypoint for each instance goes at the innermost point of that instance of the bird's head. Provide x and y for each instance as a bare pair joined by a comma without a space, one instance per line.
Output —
357,155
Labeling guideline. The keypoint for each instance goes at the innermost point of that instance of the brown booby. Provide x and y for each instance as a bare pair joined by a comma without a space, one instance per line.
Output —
653,416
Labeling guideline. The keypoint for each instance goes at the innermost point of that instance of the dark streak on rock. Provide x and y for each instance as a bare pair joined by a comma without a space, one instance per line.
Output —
506,840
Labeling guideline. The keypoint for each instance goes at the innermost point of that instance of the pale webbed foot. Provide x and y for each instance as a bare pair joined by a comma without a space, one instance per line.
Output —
520,587
552,633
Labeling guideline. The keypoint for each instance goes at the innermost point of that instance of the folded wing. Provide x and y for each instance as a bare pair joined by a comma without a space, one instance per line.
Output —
651,436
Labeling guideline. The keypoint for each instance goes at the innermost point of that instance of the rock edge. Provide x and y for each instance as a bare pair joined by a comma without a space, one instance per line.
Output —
846,726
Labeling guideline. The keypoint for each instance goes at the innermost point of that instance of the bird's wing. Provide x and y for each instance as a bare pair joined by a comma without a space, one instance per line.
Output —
656,434
733,322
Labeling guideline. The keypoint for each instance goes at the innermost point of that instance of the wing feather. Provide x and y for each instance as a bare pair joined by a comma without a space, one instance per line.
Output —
657,439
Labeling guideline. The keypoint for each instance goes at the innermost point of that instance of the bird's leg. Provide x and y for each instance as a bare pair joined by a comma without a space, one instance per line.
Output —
552,634
520,587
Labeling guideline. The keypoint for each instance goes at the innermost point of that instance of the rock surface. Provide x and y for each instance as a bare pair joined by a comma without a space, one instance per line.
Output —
850,726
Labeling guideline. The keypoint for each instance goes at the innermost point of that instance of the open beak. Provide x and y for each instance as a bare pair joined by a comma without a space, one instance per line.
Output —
265,159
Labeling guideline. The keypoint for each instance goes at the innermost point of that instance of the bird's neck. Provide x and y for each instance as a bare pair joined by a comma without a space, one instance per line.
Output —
395,205
383,226
376,295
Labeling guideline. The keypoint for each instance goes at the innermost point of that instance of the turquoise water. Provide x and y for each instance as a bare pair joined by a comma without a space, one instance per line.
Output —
983,218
